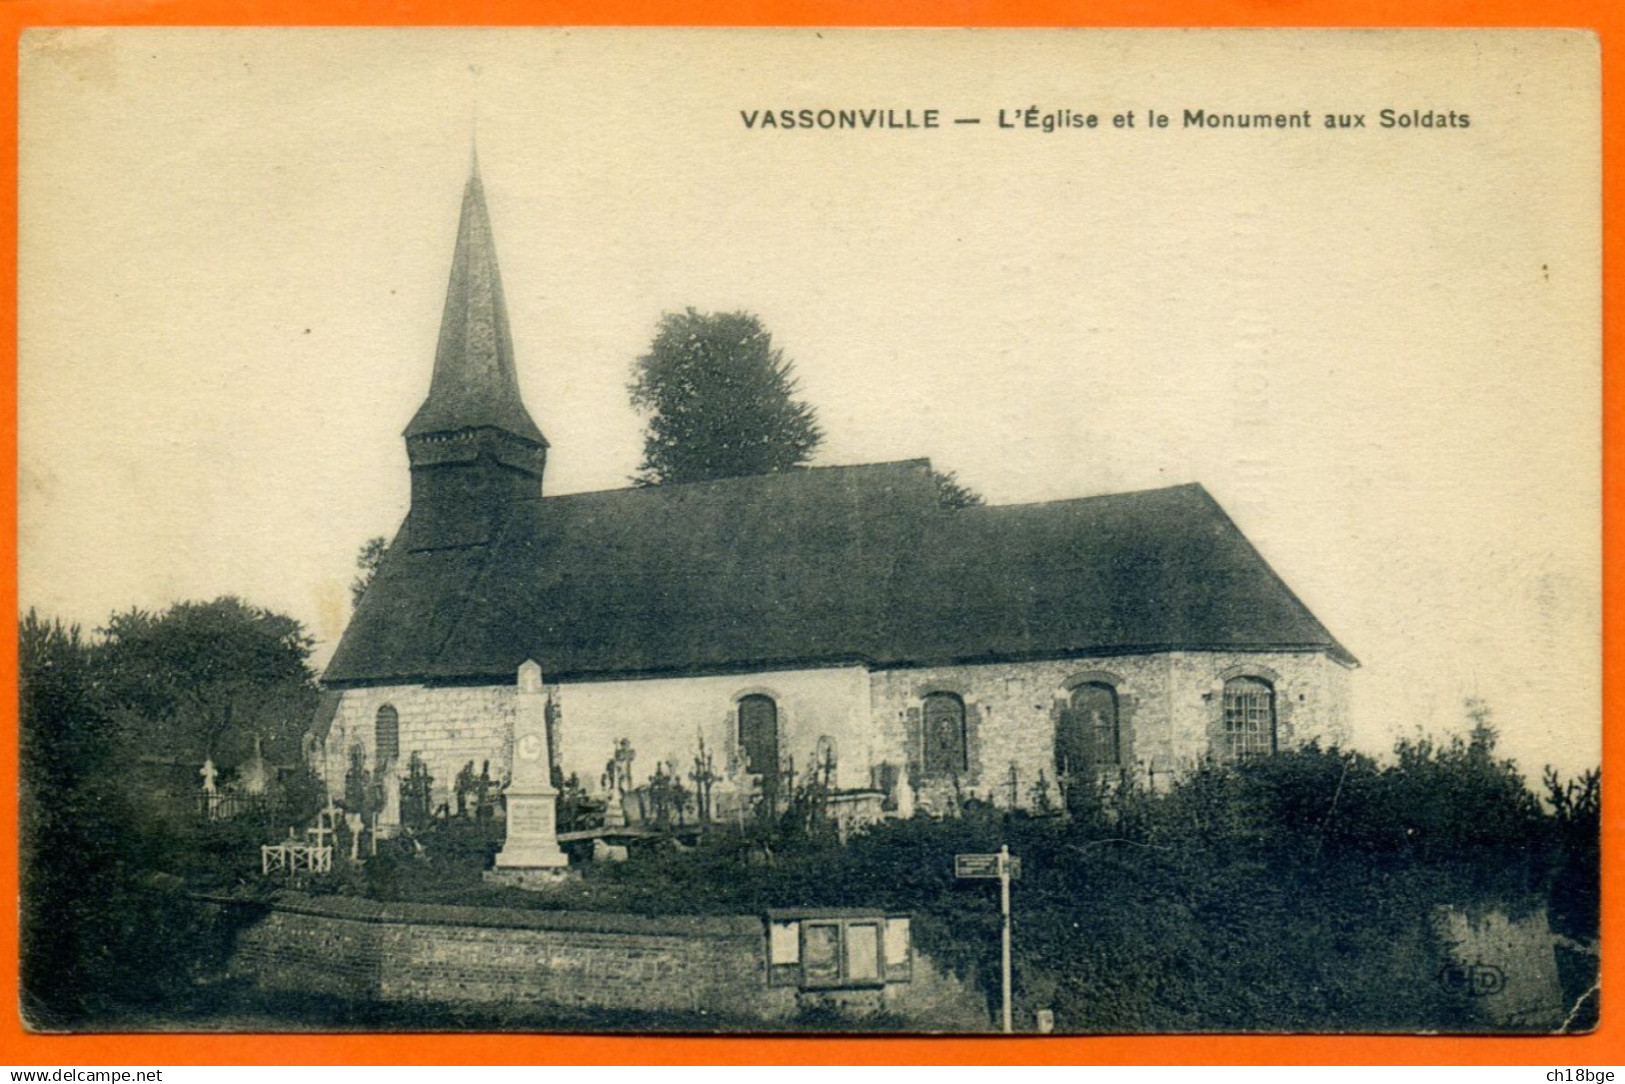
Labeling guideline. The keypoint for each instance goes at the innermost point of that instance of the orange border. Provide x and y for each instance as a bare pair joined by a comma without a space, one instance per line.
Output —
1603,1047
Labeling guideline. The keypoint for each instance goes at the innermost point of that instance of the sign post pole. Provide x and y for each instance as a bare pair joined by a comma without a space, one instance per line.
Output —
1006,867
1004,906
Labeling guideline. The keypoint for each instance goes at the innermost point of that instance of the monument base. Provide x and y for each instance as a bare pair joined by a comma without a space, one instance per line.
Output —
531,854
532,845
531,879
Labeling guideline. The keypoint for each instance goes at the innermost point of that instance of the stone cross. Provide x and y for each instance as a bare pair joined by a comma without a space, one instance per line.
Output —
356,823
619,768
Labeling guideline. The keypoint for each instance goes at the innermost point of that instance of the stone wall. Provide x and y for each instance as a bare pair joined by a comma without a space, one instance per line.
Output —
448,726
1170,708
664,718
360,950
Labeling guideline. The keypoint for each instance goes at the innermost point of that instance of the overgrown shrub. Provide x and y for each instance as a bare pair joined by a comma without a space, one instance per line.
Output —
108,918
1288,892
1292,892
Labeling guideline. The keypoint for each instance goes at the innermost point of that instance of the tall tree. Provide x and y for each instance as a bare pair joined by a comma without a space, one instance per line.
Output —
952,493
96,930
367,560
203,679
66,733
721,401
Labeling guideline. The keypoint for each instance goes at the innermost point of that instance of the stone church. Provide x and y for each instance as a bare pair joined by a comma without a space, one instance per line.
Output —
836,619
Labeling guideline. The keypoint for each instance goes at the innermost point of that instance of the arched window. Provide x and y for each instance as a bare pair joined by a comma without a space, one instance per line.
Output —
1248,726
944,738
759,736
386,736
1090,736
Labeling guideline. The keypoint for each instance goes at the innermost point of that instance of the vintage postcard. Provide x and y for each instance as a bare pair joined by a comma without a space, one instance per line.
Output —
693,530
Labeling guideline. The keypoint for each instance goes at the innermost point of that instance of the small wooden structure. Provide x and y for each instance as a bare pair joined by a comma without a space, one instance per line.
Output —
292,856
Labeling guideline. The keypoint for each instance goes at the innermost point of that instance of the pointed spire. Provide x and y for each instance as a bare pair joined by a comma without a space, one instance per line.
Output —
475,384
474,131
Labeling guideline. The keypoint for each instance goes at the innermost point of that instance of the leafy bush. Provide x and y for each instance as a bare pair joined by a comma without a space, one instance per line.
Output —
1286,893
107,918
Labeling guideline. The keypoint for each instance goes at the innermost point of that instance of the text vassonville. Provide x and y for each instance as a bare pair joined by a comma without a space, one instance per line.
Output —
841,118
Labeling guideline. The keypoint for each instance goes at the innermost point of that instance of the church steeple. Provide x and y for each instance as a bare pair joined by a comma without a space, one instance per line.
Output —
473,446
475,383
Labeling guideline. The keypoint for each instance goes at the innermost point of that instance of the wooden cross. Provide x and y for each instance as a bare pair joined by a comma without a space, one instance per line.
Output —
323,829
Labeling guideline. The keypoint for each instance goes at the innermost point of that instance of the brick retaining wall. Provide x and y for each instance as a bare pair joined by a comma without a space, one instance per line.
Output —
362,950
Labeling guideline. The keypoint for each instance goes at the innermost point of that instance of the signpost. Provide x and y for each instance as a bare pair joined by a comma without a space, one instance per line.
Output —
1006,869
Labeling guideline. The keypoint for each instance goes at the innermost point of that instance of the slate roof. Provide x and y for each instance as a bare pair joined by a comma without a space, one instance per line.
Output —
815,567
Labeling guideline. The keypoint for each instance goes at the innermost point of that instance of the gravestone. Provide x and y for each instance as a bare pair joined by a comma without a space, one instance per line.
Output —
530,855
255,775
614,810
618,776
387,821
607,852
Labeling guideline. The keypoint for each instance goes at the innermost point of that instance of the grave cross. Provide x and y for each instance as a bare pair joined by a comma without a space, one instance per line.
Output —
703,777
355,822
624,756
325,820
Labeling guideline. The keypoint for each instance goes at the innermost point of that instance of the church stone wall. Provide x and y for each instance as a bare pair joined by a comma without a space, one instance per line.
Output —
1311,697
664,719
447,725
1169,705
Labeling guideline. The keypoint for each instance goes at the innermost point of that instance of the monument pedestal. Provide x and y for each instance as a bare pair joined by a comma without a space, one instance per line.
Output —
532,839
530,857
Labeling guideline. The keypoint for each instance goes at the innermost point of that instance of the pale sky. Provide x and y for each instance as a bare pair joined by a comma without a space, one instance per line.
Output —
1379,349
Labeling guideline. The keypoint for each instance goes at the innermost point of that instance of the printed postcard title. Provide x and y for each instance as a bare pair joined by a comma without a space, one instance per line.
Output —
1035,118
